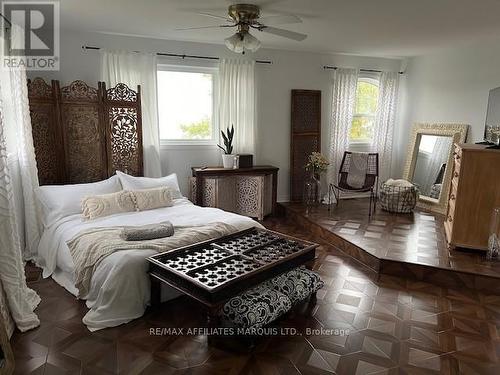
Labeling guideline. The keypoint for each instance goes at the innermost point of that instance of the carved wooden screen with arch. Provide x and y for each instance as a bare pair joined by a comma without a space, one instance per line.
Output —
84,134
122,112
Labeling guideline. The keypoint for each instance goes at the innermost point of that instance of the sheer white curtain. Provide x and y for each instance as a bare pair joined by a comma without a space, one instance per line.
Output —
384,122
236,102
345,82
18,210
135,69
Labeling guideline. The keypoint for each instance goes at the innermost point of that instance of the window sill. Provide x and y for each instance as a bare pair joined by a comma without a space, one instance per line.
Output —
360,143
171,145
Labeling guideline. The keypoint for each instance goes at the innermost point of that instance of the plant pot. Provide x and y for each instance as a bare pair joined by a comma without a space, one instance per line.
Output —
228,161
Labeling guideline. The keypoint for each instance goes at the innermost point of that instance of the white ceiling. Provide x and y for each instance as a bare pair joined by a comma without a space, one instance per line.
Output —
366,27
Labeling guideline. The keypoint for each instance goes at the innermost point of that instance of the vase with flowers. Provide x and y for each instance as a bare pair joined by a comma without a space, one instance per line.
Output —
316,165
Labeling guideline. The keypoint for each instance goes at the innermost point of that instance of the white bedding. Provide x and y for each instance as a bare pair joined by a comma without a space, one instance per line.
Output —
120,289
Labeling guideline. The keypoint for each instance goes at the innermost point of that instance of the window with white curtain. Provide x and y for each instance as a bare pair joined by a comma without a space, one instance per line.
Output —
186,103
365,111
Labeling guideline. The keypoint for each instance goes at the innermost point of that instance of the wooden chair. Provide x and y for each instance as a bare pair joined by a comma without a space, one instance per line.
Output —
370,184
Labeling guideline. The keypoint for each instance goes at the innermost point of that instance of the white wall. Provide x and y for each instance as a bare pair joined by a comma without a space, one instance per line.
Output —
290,70
452,86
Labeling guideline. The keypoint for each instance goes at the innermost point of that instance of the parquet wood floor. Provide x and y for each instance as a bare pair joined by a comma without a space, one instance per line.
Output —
399,244
395,326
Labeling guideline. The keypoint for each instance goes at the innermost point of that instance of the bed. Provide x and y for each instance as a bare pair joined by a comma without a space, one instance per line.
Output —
82,135
120,288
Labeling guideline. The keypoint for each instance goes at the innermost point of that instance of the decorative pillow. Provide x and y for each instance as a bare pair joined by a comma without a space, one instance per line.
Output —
97,206
140,183
59,201
150,199
297,284
256,307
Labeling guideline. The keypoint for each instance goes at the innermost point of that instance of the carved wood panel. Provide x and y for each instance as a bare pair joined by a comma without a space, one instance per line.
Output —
43,112
124,143
305,136
83,134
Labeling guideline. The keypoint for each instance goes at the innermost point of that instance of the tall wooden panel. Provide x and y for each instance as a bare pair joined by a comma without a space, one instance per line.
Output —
84,136
122,114
44,114
305,136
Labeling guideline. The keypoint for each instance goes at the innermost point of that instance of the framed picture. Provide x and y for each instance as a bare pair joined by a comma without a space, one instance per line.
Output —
6,355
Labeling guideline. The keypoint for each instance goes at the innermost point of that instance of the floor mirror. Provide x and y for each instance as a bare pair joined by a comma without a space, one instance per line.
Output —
430,160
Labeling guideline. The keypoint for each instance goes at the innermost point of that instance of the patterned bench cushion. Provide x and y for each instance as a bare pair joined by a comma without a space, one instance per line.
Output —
256,307
297,284
266,302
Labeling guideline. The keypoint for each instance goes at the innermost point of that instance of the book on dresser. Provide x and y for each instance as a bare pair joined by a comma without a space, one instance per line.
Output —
474,193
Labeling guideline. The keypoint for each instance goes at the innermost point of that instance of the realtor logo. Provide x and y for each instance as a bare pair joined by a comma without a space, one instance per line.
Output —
30,35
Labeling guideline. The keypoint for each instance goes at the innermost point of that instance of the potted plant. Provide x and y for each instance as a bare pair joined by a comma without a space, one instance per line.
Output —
227,156
317,164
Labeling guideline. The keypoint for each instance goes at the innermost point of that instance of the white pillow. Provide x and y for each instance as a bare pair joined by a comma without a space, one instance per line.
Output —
141,183
59,201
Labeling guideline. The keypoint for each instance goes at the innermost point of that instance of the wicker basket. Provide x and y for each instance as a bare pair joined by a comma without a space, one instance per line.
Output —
398,198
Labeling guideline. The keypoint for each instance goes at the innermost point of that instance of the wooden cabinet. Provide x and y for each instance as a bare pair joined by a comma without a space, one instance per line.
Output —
245,191
474,193
305,136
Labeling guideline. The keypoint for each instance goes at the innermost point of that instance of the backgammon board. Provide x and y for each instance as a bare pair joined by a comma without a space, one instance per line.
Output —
216,270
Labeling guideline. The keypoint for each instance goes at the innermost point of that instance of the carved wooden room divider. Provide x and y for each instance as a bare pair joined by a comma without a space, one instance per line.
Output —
305,137
84,134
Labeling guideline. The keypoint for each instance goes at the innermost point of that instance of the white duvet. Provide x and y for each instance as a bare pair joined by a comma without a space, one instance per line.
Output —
120,288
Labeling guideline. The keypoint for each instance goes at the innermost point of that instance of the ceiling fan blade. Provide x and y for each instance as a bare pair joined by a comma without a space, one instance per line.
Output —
284,33
204,27
215,16
279,20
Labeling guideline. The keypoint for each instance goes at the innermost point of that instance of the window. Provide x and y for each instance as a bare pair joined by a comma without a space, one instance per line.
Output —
185,104
365,111
427,144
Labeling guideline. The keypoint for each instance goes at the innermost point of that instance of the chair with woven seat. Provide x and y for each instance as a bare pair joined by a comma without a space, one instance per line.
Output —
358,174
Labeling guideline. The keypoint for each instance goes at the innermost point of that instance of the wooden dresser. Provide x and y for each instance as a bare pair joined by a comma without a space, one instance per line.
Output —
474,192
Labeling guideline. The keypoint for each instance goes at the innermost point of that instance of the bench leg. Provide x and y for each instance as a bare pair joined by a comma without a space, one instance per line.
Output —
312,302
155,292
213,321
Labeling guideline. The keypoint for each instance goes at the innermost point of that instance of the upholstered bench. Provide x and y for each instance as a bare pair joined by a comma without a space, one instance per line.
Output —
263,304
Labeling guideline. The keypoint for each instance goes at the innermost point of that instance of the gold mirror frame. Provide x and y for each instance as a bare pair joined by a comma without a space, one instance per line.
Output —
459,134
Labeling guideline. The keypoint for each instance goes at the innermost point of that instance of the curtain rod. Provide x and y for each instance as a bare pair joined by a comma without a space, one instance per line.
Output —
183,56
362,70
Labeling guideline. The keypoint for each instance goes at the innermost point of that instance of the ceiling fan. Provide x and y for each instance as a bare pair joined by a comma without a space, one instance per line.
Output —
246,17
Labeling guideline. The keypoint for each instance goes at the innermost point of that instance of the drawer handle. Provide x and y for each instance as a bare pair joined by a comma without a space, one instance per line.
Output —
455,174
452,197
450,219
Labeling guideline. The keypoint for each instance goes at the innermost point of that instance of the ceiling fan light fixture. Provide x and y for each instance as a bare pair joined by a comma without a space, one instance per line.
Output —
235,43
251,43
240,42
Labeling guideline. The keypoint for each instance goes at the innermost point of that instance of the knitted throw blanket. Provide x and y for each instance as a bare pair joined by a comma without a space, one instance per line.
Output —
89,247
